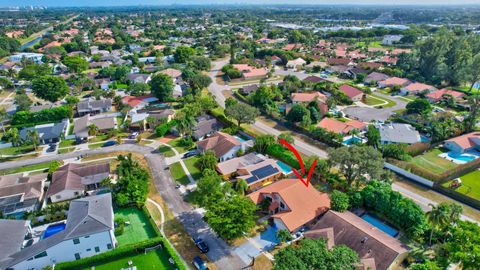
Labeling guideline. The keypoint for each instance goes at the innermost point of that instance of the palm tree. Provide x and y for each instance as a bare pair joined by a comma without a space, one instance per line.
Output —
354,133
14,136
92,130
185,123
283,236
241,186
456,211
438,216
33,138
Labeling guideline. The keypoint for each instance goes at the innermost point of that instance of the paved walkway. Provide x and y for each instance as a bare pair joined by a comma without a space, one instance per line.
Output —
261,243
178,158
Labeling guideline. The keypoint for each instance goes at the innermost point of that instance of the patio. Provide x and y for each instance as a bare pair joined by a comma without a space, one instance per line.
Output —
263,242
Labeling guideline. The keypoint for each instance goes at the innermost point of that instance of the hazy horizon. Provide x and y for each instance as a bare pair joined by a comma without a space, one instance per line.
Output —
98,3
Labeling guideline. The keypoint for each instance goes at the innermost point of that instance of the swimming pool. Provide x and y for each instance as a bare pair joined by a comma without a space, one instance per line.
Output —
53,229
240,139
380,225
461,157
352,140
286,170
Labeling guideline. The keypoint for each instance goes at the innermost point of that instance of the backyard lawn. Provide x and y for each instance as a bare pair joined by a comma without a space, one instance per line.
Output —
432,162
470,185
178,174
139,228
155,259
166,151
177,145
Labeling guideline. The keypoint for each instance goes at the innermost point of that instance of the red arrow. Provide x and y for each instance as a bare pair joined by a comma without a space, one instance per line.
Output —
300,161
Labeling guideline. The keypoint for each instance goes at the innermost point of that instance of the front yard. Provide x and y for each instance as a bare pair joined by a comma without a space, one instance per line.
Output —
176,143
179,174
156,259
16,150
373,101
166,151
139,228
470,185
432,162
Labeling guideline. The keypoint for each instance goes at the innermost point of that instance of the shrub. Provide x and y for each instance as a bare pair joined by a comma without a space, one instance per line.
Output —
417,148
340,201
283,154
119,226
25,118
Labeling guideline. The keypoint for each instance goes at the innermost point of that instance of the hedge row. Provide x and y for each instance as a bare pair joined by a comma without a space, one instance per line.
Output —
457,196
25,118
281,153
417,148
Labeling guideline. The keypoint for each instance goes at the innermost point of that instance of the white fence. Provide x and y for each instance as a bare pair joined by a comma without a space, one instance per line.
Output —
409,175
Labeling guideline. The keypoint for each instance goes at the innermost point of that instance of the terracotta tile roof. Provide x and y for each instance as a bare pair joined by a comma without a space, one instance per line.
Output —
314,79
418,87
220,143
308,97
249,71
399,51
437,95
339,61
350,91
359,235
172,73
133,101
339,127
467,141
394,81
292,46
304,204
389,60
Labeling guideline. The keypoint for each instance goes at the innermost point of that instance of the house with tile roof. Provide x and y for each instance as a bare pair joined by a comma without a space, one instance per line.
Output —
339,127
376,249
394,81
140,102
74,180
20,194
88,231
224,145
437,96
417,88
251,73
374,77
259,174
292,204
308,97
296,64
205,125
103,123
353,93
464,143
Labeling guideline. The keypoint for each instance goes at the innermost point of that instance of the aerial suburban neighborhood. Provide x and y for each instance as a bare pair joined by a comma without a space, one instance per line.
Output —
236,136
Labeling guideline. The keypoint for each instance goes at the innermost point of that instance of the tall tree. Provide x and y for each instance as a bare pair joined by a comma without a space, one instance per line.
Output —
242,113
207,160
183,54
33,138
14,136
75,63
162,86
50,88
470,120
437,217
474,71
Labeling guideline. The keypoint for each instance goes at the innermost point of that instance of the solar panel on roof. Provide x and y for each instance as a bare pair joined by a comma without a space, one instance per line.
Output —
262,173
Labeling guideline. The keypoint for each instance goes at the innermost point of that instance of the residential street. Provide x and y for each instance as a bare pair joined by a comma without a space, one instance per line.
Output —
220,253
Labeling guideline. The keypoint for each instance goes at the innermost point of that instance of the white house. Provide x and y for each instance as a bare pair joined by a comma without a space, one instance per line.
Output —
88,231
224,145
464,143
390,39
294,64
398,133
35,57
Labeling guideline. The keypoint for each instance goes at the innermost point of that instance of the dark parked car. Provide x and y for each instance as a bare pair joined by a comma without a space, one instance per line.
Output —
201,245
51,148
109,143
199,263
190,154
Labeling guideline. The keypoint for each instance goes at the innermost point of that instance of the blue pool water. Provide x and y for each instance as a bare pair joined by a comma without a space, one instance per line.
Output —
380,225
285,168
240,139
424,139
53,229
460,157
352,140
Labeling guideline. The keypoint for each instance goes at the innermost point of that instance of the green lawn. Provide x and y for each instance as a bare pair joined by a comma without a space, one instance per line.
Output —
176,144
432,162
470,185
155,259
389,104
16,150
178,174
166,151
65,143
408,98
95,145
373,101
100,138
194,170
27,168
139,229
66,150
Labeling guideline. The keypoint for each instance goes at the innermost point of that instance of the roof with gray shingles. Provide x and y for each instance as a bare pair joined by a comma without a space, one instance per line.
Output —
13,233
86,216
47,131
398,133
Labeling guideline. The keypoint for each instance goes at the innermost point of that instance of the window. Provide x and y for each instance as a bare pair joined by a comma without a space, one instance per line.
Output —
40,255
282,205
58,196
109,246
77,256
87,236
76,241
89,249
97,249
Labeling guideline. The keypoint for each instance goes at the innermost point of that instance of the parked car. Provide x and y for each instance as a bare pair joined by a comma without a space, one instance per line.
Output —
201,245
134,135
190,154
199,263
51,148
109,143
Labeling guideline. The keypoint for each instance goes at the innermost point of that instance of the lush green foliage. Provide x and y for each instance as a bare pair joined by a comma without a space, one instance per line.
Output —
162,86
44,116
132,183
242,113
339,201
50,88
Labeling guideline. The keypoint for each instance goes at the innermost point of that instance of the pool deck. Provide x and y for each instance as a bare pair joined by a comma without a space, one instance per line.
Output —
459,161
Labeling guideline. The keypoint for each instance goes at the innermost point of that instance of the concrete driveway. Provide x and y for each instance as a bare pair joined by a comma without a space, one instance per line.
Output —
367,114
264,242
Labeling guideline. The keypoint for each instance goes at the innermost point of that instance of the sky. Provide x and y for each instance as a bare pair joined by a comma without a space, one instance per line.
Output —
91,3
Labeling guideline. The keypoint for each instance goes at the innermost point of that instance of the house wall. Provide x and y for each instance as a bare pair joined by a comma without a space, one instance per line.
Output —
260,184
230,154
454,147
357,98
396,264
65,251
279,224
66,195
